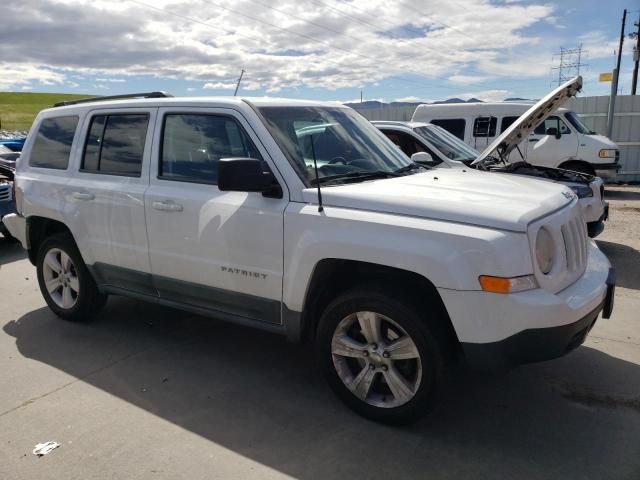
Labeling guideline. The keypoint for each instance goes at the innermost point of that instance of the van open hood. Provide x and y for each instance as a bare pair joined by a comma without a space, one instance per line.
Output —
529,120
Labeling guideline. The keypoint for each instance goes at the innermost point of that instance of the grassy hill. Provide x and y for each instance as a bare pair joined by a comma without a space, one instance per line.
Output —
17,110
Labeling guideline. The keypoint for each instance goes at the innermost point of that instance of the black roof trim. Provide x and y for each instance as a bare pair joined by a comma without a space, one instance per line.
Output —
114,97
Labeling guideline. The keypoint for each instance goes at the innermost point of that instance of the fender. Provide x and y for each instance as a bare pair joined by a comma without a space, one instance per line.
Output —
449,255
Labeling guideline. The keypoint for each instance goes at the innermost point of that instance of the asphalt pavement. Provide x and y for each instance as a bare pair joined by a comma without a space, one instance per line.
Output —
147,392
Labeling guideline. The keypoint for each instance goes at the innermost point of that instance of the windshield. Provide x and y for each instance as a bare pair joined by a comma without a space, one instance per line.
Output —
447,144
343,143
574,120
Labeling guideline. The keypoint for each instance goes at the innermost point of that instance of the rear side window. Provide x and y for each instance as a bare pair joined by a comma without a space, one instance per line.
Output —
193,144
52,145
454,126
506,122
484,127
115,144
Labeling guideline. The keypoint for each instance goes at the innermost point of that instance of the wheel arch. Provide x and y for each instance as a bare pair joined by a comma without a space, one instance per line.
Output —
38,229
589,168
332,276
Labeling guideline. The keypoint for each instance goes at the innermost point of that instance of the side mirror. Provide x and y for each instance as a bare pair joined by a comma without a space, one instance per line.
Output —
246,175
554,132
422,157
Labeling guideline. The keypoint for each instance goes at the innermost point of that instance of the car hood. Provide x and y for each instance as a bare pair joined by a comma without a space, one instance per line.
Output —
529,120
506,202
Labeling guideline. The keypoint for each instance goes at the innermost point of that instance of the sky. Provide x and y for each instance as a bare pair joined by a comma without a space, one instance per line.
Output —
400,50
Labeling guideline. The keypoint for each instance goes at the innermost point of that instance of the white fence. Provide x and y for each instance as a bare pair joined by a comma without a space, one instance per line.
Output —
593,110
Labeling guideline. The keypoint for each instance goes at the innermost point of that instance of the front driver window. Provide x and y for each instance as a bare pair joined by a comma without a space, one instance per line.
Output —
552,122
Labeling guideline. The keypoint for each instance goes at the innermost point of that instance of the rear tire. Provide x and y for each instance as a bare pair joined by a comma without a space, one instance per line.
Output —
64,280
380,354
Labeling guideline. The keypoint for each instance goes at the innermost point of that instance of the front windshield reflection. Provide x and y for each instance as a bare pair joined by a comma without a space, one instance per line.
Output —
447,144
341,141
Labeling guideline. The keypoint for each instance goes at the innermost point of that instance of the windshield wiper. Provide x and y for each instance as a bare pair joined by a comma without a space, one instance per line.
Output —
355,176
409,168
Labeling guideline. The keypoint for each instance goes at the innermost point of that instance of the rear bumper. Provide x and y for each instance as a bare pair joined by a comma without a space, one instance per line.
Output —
17,226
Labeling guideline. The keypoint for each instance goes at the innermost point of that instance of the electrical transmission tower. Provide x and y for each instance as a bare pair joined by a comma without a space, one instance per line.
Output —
570,63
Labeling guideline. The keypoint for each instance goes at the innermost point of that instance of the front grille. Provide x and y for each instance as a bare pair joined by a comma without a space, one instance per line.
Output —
5,193
574,234
617,156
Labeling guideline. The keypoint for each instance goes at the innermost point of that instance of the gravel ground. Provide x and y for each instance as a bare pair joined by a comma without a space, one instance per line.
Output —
621,237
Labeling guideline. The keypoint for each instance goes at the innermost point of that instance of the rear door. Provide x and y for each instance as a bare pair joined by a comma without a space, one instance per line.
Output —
105,197
221,251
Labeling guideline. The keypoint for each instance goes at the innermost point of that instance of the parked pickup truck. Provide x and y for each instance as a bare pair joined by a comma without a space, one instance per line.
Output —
225,207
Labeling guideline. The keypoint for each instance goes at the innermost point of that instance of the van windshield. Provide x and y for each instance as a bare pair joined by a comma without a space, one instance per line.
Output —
344,144
575,120
447,144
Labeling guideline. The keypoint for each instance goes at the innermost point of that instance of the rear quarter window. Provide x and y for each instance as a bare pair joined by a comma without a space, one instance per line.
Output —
52,146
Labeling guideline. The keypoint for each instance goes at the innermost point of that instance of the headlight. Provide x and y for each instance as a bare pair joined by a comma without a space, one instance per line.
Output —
582,191
545,250
607,153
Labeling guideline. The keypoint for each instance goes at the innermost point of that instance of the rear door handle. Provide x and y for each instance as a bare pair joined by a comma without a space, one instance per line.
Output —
83,195
534,139
167,206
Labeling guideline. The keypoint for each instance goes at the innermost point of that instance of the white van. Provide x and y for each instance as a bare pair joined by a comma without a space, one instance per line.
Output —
561,141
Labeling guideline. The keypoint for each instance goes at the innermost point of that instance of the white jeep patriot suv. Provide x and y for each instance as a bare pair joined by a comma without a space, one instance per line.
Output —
228,207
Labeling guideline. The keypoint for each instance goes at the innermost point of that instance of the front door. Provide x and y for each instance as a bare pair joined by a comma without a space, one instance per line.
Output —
548,150
216,250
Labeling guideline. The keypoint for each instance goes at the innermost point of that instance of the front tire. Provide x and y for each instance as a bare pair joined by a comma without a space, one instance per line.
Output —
64,280
380,356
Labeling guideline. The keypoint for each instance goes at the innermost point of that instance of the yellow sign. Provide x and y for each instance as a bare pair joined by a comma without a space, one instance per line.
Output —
606,77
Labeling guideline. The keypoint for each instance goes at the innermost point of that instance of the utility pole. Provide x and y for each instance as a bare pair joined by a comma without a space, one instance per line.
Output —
614,82
636,57
360,95
238,84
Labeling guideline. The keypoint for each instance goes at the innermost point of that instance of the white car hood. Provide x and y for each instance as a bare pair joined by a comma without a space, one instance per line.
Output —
529,120
506,202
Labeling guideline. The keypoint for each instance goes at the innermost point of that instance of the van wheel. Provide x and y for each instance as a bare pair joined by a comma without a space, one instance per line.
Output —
65,281
379,355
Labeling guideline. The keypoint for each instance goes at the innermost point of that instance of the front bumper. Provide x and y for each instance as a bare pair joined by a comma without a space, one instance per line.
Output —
17,226
493,328
595,228
606,170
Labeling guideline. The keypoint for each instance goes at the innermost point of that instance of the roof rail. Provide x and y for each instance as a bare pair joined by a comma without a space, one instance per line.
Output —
113,97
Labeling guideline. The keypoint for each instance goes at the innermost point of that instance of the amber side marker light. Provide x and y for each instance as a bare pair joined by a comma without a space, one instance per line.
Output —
507,285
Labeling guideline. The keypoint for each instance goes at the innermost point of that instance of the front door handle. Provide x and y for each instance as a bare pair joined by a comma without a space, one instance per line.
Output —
534,139
83,195
167,206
